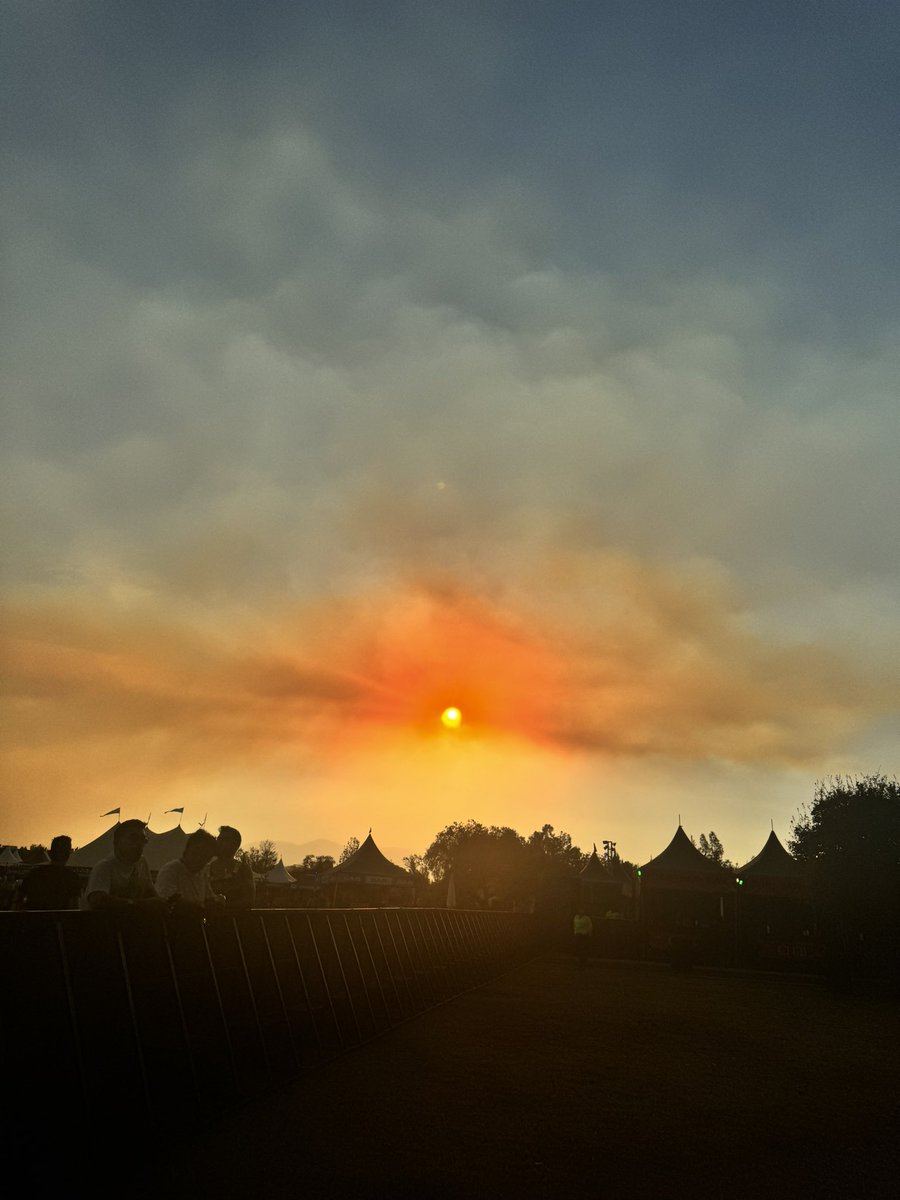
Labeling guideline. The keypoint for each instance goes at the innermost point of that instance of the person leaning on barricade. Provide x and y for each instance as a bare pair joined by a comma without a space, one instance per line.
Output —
232,877
184,882
123,880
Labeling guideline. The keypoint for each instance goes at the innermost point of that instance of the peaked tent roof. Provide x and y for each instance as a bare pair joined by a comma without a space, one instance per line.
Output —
681,865
773,870
366,865
773,859
9,857
594,871
280,874
101,847
160,849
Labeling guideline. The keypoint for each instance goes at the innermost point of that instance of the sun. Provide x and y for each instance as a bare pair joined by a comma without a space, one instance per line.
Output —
451,718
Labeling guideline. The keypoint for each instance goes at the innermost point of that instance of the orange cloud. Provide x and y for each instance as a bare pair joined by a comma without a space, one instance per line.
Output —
646,662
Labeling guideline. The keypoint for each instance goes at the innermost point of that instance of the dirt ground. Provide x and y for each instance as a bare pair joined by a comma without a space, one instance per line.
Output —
625,1079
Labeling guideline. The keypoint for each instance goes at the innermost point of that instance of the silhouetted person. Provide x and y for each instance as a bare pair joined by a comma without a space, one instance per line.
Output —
231,877
186,879
51,885
582,931
123,880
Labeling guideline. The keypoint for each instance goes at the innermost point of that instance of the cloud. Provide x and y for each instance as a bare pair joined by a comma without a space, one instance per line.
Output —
636,661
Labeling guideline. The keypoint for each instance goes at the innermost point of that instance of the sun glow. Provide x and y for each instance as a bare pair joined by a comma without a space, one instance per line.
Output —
451,718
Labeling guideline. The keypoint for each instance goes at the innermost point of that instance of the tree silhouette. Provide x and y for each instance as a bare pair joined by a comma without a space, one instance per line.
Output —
710,847
261,857
351,848
849,837
316,862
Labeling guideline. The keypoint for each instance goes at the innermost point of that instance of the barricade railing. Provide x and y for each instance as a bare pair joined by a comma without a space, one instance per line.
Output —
131,1010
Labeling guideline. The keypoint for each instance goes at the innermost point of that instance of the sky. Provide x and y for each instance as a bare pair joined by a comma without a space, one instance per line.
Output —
363,359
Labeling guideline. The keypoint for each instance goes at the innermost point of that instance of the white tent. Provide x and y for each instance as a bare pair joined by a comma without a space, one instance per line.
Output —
280,874
163,847
88,856
160,849
9,857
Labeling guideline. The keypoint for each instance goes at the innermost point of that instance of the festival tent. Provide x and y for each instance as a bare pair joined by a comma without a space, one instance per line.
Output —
681,867
773,872
160,849
594,871
367,871
101,847
683,901
775,910
367,865
9,857
280,875
604,884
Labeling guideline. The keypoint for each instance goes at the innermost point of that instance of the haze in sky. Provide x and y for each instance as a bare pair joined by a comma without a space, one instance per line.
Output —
362,360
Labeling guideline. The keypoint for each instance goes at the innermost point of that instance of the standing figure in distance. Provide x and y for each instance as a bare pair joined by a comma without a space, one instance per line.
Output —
582,929
232,877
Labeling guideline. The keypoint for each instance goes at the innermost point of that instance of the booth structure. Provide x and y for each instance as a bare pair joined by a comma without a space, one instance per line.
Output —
605,887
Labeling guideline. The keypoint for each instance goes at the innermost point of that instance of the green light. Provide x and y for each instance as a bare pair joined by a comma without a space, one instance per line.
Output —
639,872
739,882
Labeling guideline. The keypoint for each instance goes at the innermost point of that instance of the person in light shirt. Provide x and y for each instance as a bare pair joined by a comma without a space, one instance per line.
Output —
185,880
123,880
582,928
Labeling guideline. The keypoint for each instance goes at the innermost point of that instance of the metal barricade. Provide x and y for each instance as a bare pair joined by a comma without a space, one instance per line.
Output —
129,1010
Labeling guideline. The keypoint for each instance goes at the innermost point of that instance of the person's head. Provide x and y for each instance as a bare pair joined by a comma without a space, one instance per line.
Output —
60,849
228,842
129,840
199,849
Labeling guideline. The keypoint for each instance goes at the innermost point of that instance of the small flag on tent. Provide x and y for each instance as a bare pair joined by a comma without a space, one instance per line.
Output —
113,812
168,810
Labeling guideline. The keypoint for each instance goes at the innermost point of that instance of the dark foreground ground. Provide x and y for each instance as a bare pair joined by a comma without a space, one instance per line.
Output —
627,1080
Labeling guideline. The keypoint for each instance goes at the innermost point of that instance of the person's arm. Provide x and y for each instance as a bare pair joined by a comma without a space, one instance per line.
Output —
168,884
98,893
74,891
211,899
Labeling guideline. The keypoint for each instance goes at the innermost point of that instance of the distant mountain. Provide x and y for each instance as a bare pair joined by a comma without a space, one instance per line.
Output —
294,852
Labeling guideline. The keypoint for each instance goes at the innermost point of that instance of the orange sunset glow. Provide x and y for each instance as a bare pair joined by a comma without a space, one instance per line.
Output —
347,708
